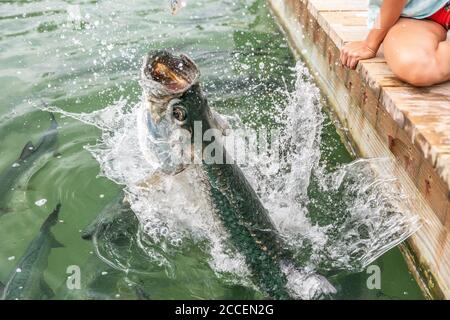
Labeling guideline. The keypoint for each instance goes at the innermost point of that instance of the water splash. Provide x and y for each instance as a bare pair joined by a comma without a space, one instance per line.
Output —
346,218
340,220
176,5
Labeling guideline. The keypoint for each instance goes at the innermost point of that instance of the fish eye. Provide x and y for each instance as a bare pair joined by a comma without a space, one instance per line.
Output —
179,113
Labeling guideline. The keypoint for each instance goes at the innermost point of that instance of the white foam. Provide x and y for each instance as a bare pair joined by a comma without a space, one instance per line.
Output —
40,202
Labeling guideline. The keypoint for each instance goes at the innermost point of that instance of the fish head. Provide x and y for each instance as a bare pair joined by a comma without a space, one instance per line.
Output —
175,101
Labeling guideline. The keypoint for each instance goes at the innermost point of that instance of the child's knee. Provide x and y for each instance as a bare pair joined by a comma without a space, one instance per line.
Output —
418,69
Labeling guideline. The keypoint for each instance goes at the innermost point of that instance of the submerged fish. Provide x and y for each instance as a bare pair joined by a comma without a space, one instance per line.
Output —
29,155
176,5
27,280
117,209
175,102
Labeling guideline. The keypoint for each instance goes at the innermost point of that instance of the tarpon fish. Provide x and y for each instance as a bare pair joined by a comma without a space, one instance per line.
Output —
27,280
174,100
118,209
29,155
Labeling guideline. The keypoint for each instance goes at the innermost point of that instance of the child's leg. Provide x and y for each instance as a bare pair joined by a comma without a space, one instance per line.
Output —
417,52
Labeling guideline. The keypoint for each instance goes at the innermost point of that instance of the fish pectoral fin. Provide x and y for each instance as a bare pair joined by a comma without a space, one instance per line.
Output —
220,122
45,288
56,243
27,150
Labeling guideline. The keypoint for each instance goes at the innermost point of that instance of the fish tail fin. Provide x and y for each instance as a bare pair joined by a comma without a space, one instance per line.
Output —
54,123
52,218
50,222
306,284
27,150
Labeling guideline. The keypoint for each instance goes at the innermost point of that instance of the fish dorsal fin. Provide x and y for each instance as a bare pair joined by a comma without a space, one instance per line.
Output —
52,219
48,292
54,123
27,150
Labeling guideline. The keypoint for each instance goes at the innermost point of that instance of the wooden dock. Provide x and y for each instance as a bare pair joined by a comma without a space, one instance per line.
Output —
384,117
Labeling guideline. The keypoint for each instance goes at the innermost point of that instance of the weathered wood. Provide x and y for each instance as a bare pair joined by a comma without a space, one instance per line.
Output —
344,27
338,5
425,115
408,155
384,117
378,75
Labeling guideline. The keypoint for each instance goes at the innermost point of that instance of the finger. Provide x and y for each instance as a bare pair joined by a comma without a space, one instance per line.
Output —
350,60
353,63
347,62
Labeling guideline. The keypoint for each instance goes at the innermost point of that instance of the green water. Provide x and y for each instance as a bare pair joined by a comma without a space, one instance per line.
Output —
83,55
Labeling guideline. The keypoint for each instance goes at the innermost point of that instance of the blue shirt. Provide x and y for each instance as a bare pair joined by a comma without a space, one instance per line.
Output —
417,9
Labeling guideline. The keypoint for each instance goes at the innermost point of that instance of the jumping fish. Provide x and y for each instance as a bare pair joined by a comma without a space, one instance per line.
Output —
29,155
174,100
27,280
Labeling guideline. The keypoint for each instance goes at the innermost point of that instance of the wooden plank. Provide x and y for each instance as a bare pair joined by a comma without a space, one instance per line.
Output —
345,18
434,189
425,115
298,6
377,74
386,127
345,26
447,221
339,5
407,154
443,167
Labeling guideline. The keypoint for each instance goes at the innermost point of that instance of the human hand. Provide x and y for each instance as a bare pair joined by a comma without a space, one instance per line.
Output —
352,52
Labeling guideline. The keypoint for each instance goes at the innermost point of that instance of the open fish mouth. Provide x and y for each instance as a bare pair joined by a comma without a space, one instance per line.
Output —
174,107
165,75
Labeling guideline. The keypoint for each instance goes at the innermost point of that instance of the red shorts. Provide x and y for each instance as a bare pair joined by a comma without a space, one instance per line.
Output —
442,16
